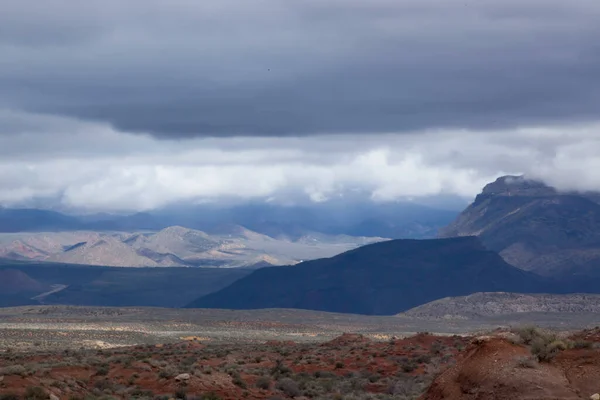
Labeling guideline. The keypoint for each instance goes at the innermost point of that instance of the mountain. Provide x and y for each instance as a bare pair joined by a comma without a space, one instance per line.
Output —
381,278
26,220
234,246
480,305
535,227
352,218
348,217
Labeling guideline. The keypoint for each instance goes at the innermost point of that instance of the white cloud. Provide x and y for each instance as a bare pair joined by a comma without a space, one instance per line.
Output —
95,167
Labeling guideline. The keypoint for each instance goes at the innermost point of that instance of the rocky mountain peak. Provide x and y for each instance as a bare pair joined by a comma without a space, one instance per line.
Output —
517,185
534,226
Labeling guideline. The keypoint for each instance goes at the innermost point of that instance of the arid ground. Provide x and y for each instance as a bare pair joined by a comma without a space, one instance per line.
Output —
123,353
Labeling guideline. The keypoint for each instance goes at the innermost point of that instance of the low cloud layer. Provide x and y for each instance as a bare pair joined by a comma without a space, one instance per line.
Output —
92,166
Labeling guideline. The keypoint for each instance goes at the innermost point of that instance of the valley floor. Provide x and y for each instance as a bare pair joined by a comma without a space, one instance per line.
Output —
67,327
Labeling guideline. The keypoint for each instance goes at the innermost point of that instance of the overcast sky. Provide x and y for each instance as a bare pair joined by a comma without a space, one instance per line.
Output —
132,104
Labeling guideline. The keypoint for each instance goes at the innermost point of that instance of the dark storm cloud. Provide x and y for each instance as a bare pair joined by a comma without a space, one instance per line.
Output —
211,68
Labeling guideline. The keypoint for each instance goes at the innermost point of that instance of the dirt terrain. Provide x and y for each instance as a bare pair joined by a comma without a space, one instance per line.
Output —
344,368
65,327
124,353
70,327
501,365
504,368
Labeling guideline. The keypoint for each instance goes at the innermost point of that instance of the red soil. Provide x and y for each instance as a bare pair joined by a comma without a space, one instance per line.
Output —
116,372
492,368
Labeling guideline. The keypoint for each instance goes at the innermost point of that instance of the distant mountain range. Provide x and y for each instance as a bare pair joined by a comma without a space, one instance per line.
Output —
234,246
481,305
381,278
535,227
391,220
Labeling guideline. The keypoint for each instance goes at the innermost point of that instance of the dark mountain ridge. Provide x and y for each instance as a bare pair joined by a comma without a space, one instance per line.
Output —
381,279
21,282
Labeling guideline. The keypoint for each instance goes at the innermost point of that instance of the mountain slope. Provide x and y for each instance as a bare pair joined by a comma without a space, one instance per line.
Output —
107,251
13,281
382,278
534,227
17,288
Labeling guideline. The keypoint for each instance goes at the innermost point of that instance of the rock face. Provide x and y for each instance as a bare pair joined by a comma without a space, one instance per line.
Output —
535,227
182,378
382,278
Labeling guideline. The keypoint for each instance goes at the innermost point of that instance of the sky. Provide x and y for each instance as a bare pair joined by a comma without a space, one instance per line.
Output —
135,104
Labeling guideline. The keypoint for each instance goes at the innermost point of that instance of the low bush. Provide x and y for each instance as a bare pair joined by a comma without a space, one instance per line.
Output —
527,362
289,387
35,393
263,383
544,345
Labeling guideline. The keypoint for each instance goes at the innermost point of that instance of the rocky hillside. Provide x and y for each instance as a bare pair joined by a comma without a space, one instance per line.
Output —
535,227
495,368
233,246
480,305
382,278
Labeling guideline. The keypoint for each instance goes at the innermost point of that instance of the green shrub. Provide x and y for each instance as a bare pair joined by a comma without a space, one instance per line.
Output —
528,333
13,370
582,344
238,381
9,396
546,348
280,369
437,348
181,394
544,345
263,383
527,362
35,393
209,396
289,387
102,370
407,365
